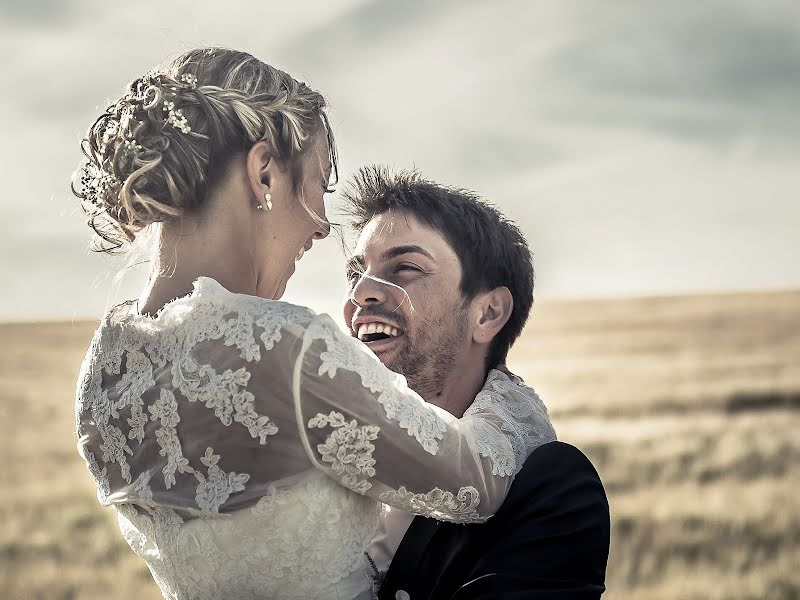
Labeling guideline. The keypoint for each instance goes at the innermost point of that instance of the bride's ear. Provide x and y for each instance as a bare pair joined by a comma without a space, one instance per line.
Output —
492,310
261,170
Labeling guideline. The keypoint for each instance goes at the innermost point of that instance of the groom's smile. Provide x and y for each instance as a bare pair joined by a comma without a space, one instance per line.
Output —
371,331
380,334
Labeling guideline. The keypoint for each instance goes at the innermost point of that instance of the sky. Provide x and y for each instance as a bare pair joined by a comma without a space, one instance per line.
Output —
643,147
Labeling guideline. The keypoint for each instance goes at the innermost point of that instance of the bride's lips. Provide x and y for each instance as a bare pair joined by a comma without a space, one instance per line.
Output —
303,249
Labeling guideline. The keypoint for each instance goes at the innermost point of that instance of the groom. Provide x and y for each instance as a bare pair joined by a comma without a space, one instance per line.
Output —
441,285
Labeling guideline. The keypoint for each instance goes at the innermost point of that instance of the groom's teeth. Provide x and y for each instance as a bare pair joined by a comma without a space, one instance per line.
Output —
367,328
300,254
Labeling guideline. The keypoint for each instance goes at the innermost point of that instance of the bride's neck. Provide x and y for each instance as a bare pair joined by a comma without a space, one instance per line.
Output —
187,251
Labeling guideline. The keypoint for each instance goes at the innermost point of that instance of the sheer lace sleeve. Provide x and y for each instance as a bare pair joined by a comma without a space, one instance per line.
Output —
362,425
223,400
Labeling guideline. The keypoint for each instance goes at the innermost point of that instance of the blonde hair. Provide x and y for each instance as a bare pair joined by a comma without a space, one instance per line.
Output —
154,153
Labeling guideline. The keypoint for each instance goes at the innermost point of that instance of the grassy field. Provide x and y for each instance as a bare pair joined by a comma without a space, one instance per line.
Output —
689,407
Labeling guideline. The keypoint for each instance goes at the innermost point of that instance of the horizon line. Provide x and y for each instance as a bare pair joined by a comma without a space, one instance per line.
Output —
636,297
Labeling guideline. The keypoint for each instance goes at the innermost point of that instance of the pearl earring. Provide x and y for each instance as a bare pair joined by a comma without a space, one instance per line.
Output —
268,198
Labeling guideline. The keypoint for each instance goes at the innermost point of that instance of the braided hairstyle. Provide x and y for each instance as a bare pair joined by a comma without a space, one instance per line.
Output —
155,153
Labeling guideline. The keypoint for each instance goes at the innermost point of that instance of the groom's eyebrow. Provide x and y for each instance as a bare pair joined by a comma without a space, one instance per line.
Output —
400,250
356,263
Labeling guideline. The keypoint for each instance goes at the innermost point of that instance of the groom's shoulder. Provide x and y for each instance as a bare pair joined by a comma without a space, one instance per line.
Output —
557,473
559,456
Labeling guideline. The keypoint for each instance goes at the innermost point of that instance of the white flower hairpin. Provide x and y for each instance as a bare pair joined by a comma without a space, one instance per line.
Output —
176,117
130,148
95,181
190,80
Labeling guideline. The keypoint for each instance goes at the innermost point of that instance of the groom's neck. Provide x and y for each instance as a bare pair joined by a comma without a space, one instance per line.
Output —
461,386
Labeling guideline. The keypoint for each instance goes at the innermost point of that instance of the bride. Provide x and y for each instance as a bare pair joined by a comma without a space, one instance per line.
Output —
248,444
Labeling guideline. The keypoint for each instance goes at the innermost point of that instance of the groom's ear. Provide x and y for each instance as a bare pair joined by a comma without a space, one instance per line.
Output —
491,311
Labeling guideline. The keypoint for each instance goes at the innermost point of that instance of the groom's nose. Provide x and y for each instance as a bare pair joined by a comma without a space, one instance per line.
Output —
369,290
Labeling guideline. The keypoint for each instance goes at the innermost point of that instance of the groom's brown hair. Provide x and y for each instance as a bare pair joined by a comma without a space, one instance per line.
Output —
492,250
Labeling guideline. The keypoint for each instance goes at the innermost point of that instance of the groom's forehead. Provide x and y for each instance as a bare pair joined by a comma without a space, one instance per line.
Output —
389,230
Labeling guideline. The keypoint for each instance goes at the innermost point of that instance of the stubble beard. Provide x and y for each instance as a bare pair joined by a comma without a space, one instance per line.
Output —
428,358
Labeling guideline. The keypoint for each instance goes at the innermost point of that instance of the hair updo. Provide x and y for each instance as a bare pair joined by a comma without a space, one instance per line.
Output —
153,155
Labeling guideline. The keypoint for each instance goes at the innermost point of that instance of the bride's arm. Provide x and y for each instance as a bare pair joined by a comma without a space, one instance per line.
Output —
230,405
360,423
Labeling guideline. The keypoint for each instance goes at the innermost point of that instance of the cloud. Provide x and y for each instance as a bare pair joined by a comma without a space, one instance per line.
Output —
709,71
643,146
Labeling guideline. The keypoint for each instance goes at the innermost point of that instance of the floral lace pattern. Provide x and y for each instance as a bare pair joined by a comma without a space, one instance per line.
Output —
525,423
165,411
132,351
348,449
460,508
215,489
304,541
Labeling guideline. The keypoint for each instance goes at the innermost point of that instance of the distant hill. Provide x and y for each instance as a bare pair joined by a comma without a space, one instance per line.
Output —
663,354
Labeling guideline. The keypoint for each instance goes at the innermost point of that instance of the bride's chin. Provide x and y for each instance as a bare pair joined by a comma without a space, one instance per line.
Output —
281,289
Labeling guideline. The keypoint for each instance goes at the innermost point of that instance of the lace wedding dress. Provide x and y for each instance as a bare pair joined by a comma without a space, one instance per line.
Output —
248,445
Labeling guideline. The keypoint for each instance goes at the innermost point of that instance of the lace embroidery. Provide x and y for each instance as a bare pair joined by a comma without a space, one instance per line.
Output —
138,378
114,447
524,423
239,333
273,321
99,474
257,425
489,441
301,542
438,504
120,412
415,417
201,383
161,348
224,393
165,410
418,419
214,491
348,449
141,487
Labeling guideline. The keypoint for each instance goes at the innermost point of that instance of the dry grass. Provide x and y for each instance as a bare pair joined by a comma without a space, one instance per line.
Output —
689,409
687,406
55,540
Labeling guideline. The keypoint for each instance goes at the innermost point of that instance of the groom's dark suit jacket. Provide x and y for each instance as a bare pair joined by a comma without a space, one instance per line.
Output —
549,540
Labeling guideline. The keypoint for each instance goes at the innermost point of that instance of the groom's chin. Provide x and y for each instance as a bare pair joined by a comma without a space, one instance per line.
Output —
387,357
391,357
390,351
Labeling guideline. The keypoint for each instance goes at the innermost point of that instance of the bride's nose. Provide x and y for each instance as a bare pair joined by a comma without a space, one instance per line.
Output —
323,231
